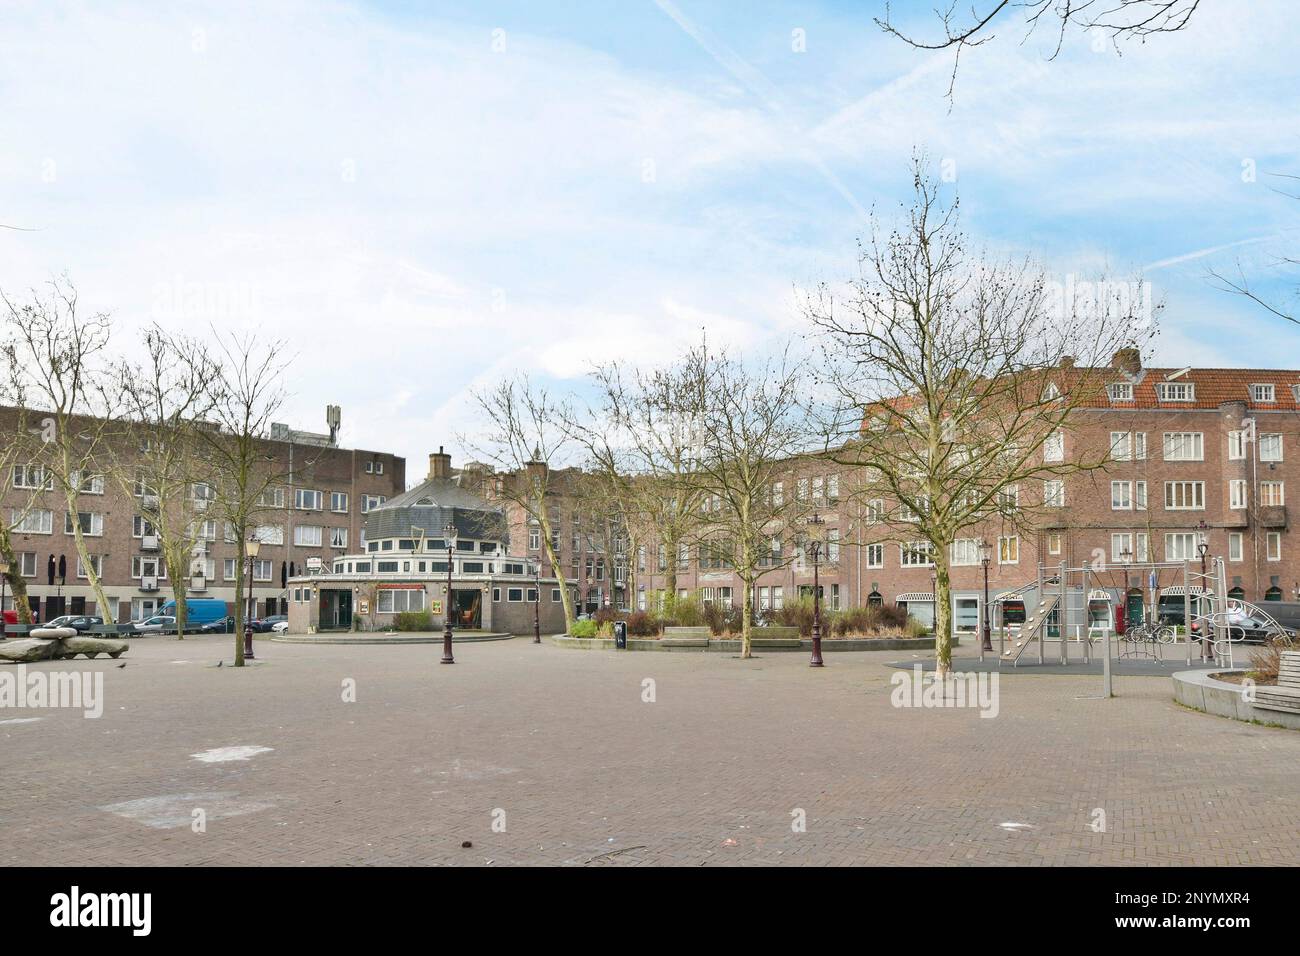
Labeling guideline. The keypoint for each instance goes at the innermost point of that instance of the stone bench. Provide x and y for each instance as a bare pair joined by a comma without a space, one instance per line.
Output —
1285,695
686,637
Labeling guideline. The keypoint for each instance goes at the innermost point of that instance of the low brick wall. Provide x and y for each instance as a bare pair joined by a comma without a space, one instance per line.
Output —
1200,691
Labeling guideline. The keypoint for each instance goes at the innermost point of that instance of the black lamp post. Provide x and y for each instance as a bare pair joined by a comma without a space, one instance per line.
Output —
1126,556
250,549
816,526
1202,547
987,643
449,532
537,602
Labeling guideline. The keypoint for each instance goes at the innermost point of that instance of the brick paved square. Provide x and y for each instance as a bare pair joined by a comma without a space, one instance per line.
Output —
559,746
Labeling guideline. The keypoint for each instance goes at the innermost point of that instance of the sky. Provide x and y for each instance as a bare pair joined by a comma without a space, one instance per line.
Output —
419,199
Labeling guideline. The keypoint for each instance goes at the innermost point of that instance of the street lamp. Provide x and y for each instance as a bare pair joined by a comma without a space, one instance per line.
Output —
816,529
251,547
1202,548
449,533
987,643
537,602
1125,556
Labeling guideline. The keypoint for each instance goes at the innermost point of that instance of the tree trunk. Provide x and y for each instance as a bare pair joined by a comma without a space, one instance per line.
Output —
942,616
101,599
17,584
178,595
747,622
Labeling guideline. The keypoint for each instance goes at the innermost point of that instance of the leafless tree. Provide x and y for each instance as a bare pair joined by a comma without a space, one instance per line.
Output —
1118,20
243,397
957,380
748,423
161,462
57,359
17,452
526,436
1240,284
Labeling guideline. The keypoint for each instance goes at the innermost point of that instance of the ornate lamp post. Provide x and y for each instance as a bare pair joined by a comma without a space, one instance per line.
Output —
1126,556
816,529
987,643
537,602
449,533
251,548
1202,548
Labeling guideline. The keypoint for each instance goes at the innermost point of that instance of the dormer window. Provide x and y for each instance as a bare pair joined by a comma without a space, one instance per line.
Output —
1051,392
1120,392
1176,391
1263,393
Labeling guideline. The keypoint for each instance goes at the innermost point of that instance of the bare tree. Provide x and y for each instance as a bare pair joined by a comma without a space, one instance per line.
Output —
641,446
243,398
526,436
162,463
749,425
16,455
957,381
1119,20
1240,284
57,358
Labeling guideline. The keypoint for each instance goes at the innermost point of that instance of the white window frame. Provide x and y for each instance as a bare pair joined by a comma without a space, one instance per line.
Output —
308,536
1270,446
1176,448
1184,496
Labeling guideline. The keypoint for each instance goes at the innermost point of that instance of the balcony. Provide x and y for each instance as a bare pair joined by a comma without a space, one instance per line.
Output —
149,542
1272,516
149,584
198,582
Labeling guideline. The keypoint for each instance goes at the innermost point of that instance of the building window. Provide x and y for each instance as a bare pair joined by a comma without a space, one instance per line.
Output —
832,488
1054,543
778,598
271,498
96,562
141,527
875,510
1275,546
91,523
339,502
370,502
1054,448
1120,392
338,537
1054,493
1009,549
33,522
514,595
916,554
1271,494
1176,391
875,555
833,546
27,564
400,600
305,499
33,478
1128,446
90,485
269,534
1270,447
1234,546
966,551
1121,496
534,539
1184,495
308,536
1183,446
1263,393
1181,546
1236,445
262,569
1237,493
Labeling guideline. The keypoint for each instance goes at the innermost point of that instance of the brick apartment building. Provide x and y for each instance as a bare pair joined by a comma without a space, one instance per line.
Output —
1197,454
318,512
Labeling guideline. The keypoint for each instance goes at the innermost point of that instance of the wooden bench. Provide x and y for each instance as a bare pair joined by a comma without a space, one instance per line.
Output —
1285,695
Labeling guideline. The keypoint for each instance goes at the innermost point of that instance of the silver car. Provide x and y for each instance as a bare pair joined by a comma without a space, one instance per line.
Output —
158,624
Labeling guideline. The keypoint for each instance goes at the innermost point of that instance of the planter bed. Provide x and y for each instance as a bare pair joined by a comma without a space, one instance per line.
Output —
730,645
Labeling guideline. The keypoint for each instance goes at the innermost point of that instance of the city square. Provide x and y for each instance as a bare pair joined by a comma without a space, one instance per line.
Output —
559,749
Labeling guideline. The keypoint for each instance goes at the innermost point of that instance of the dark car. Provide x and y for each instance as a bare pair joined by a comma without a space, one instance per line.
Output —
81,623
225,625
1253,630
263,625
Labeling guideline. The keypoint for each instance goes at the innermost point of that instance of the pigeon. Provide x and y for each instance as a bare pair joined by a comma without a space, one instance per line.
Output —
219,663
121,665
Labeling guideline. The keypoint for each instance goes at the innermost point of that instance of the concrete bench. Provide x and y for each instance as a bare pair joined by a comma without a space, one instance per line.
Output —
686,637
1286,694
18,630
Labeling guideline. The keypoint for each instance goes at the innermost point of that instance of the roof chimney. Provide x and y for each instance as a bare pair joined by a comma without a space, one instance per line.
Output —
439,464
1129,360
1067,361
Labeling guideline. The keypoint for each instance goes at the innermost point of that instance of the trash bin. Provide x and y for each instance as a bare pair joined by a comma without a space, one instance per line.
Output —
620,635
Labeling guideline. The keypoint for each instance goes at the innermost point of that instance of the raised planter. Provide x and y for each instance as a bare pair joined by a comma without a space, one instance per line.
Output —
379,637
1200,691
733,646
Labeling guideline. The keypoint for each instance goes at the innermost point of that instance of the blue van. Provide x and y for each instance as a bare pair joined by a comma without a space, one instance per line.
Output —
198,611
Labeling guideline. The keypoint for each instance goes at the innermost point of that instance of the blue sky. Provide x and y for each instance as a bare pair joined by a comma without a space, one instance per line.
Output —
422,198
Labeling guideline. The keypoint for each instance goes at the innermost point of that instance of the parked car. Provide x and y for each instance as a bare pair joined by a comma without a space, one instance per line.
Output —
1252,630
158,624
263,625
280,627
225,625
81,623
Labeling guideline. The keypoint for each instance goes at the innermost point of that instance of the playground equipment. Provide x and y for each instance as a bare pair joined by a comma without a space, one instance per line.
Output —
1098,602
